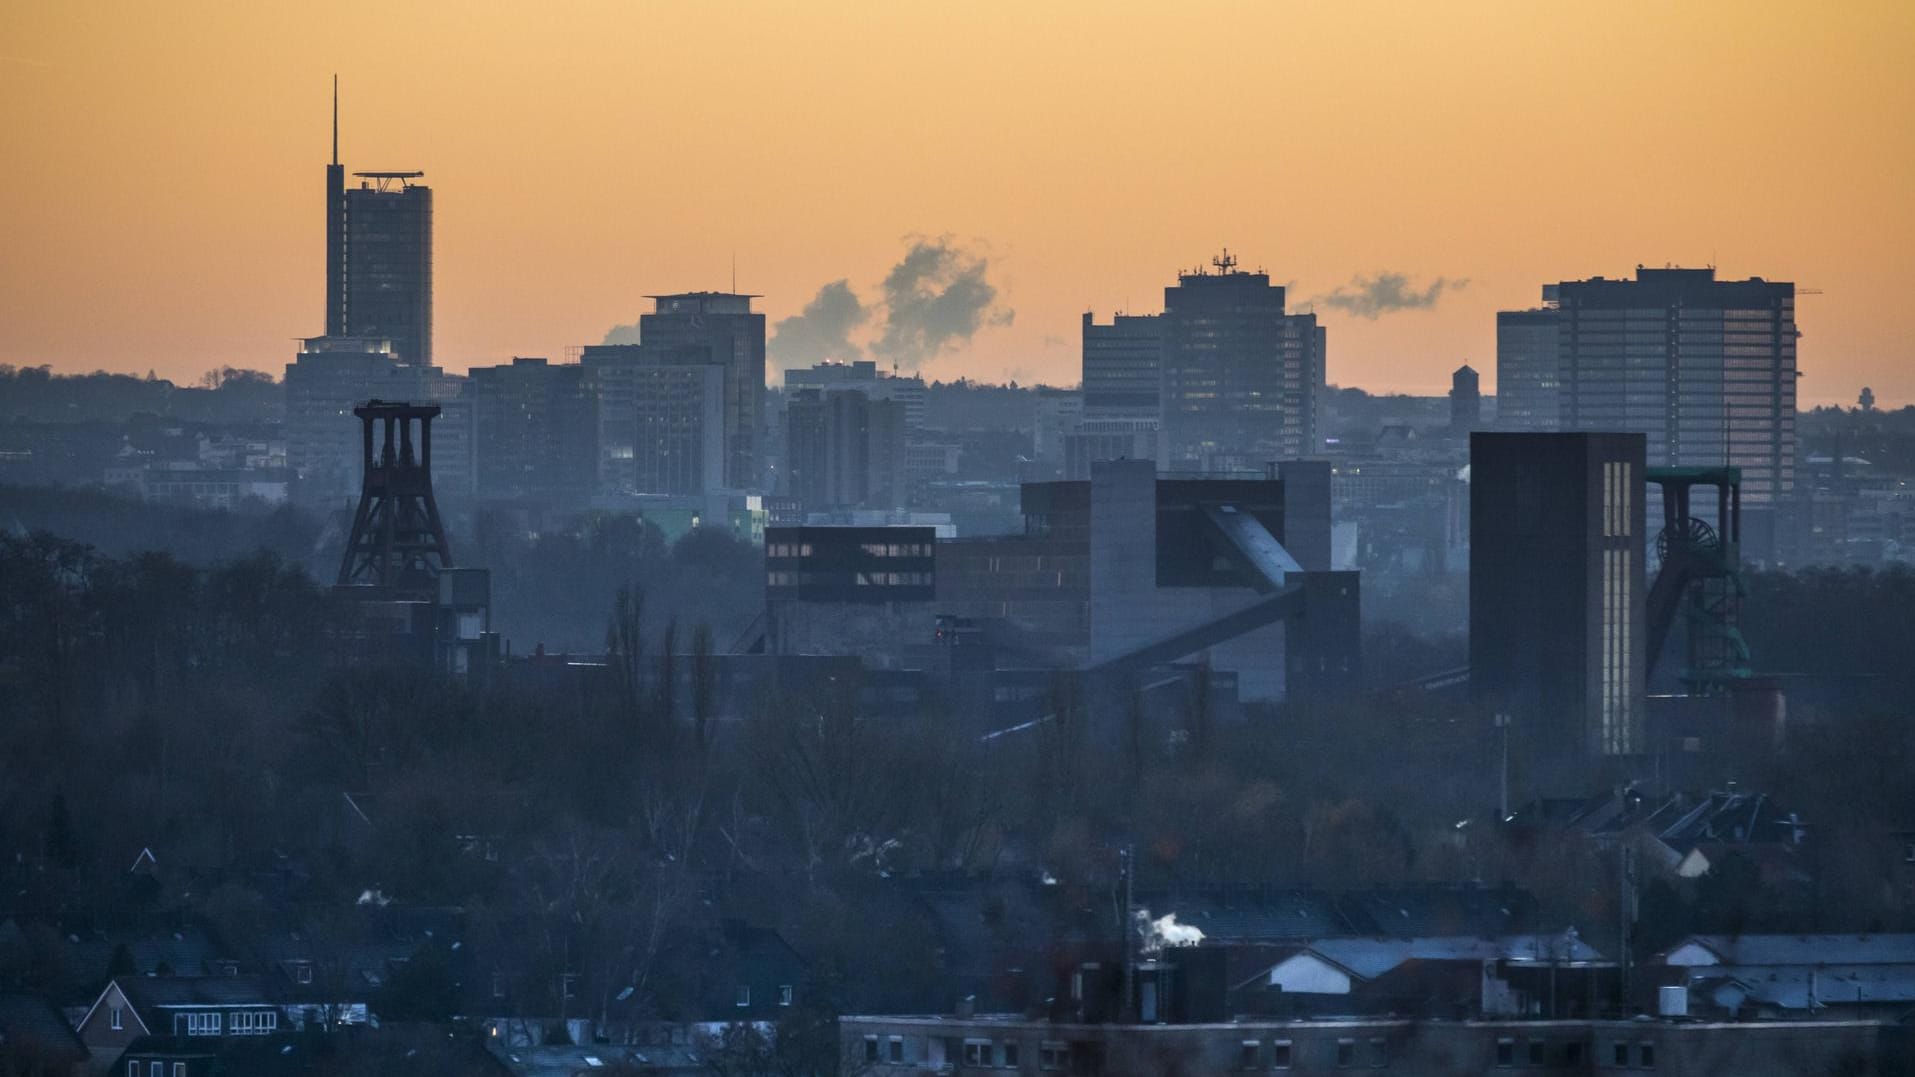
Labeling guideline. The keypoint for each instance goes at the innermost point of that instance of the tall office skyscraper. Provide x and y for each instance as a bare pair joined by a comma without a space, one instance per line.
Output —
1528,386
1558,636
1241,378
1704,368
725,323
379,256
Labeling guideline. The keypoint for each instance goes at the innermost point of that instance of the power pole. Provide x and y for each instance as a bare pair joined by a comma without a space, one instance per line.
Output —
1502,801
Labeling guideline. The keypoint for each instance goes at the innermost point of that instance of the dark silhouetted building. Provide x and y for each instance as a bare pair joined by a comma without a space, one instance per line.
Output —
1466,400
1557,599
536,430
725,324
1241,378
1528,385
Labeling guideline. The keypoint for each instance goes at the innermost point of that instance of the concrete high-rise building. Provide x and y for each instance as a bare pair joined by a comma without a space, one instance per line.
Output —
679,423
1241,379
1558,637
1704,368
1466,400
1528,386
845,450
724,323
379,256
1058,414
661,417
1123,364
536,426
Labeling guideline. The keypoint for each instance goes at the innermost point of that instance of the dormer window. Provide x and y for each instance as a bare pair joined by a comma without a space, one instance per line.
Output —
744,995
118,1021
303,974
784,994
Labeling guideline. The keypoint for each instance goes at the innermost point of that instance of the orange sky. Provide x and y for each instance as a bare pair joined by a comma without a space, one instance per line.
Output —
164,177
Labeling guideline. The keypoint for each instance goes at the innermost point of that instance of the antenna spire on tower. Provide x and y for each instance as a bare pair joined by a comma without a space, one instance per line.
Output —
335,119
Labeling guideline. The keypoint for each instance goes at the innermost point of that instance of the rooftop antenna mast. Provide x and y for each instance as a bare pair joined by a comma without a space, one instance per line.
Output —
1225,263
335,119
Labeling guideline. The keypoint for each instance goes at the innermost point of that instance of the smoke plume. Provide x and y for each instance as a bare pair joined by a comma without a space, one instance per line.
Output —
1165,931
621,334
822,330
1386,293
937,297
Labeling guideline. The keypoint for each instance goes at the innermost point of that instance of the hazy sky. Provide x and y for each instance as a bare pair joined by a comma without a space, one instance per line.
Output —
163,188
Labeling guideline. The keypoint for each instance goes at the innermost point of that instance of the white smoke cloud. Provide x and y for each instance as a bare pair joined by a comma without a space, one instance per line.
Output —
1386,292
1165,931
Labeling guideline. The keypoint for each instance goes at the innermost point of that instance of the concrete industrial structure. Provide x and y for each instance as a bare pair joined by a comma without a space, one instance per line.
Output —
1558,631
1112,576
397,568
893,1046
379,256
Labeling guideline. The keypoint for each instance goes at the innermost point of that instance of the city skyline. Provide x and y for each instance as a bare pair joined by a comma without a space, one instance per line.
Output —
629,152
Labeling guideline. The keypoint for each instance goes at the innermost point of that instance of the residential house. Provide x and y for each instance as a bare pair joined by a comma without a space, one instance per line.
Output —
143,1010
1462,977
1794,977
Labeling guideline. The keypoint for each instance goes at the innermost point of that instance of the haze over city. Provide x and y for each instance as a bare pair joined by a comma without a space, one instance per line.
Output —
160,180
856,540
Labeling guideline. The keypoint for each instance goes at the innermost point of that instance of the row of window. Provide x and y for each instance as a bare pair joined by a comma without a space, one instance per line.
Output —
1538,1053
897,549
1343,1054
785,995
862,579
154,1069
788,549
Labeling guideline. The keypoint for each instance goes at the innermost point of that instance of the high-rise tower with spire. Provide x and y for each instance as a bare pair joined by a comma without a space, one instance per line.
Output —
379,256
